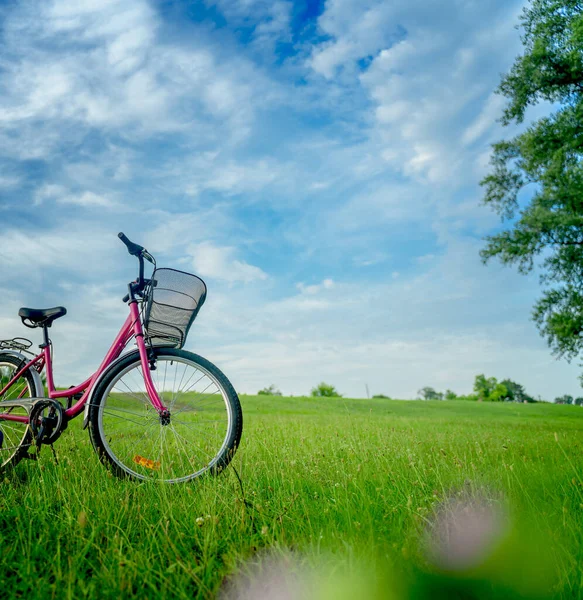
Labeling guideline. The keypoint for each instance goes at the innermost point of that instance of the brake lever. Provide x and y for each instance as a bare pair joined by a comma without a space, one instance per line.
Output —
148,256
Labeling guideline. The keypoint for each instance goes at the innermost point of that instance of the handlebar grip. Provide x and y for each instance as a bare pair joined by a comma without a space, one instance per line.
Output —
134,249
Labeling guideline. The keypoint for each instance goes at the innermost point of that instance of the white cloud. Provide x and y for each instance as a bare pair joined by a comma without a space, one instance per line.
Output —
441,361
299,343
173,232
234,177
423,77
62,195
357,28
49,191
387,204
7,181
87,199
441,327
416,112
120,74
219,262
491,111
269,19
41,254
370,259
327,284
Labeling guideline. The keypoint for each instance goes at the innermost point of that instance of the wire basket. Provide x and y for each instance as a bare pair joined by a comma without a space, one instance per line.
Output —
173,302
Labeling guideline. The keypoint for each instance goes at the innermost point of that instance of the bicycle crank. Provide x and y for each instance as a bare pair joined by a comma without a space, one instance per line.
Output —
47,421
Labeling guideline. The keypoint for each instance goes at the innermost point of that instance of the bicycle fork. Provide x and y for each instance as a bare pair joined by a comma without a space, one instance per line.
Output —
148,361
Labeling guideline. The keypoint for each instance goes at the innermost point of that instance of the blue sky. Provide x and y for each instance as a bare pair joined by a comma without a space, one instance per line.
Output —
316,162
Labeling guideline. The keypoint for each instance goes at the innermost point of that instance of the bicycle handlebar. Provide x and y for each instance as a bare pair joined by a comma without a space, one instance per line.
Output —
133,249
141,253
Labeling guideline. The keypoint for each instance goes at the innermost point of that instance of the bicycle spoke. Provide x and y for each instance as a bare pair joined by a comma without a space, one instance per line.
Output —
182,391
185,440
181,378
187,425
121,417
201,424
174,383
197,407
150,414
165,371
208,399
205,389
205,407
148,427
174,398
132,394
15,393
184,451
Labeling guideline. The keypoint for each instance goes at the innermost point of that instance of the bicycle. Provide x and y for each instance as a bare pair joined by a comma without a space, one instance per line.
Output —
154,412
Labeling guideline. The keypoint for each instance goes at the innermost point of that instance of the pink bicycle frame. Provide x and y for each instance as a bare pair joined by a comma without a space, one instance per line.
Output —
131,328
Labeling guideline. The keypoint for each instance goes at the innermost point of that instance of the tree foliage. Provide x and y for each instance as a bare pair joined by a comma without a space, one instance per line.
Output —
428,393
546,160
489,390
325,390
269,391
565,399
515,392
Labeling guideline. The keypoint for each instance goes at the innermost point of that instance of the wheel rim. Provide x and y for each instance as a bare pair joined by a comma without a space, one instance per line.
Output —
14,434
145,445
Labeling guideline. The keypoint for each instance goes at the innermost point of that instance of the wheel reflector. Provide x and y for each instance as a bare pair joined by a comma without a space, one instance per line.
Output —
146,462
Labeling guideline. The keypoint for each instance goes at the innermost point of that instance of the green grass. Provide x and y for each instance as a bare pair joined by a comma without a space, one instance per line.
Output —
337,495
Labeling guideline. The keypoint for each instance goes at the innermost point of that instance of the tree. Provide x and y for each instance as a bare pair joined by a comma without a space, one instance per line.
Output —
546,161
382,396
269,391
565,399
488,389
515,392
428,393
449,395
325,390
578,401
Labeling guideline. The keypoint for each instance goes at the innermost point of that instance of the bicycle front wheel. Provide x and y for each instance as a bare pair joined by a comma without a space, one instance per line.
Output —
200,435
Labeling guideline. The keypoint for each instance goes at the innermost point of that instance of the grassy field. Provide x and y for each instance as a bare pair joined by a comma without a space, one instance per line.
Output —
337,499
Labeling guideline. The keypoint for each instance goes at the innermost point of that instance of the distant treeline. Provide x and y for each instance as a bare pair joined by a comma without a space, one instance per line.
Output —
489,389
486,389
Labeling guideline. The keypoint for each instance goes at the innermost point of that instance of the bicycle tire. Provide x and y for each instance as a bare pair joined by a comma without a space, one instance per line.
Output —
131,438
16,437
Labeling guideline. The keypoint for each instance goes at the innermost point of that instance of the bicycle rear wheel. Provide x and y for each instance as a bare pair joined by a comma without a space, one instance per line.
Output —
15,436
200,435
